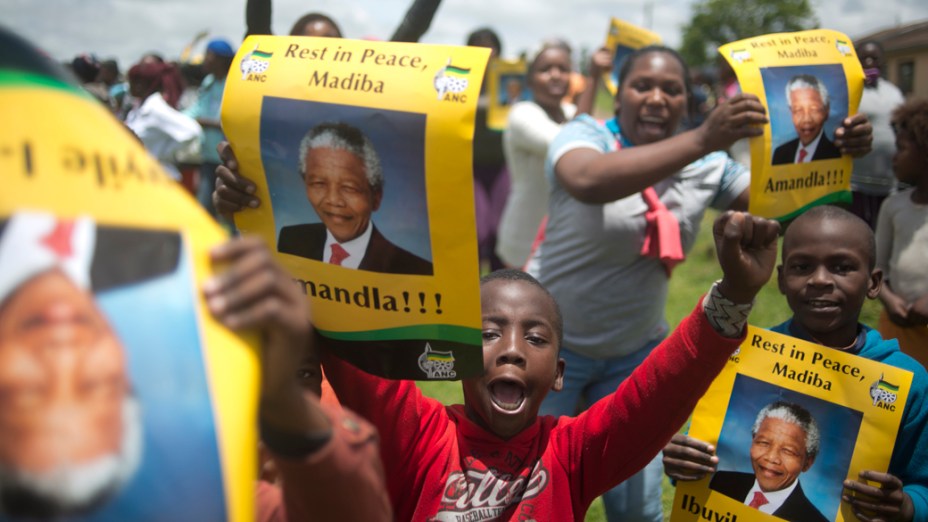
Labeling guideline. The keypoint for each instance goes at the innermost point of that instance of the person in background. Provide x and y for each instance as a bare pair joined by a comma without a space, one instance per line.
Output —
829,270
416,22
491,178
110,77
902,236
205,110
626,202
161,128
173,84
872,178
86,68
530,128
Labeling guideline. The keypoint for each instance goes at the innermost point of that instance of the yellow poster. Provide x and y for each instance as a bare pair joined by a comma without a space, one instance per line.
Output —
810,82
121,397
508,85
361,152
844,411
622,39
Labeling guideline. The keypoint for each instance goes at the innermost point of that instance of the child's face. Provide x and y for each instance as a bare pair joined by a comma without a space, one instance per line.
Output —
907,164
520,358
826,276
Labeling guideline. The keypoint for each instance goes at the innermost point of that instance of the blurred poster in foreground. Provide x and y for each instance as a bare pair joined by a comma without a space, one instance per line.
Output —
120,397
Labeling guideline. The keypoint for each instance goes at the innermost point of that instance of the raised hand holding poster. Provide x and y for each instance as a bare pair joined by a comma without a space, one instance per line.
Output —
121,398
508,85
810,82
622,39
361,153
828,415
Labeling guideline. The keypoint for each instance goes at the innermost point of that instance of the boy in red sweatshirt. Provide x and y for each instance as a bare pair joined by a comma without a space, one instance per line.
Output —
494,458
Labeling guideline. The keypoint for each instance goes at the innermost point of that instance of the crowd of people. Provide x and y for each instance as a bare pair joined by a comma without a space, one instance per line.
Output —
586,221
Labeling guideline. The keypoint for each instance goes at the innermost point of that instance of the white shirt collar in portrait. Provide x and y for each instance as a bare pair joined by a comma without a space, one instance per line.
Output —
356,248
810,148
775,499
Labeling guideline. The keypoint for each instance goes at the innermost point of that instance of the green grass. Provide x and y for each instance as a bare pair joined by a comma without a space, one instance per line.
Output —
690,280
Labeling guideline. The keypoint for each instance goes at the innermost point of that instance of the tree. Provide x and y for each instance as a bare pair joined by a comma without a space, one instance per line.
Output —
717,22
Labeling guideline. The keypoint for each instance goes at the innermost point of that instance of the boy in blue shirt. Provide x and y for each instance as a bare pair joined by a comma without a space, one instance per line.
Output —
828,271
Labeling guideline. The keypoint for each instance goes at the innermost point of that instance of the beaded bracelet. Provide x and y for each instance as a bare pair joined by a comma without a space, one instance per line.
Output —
726,317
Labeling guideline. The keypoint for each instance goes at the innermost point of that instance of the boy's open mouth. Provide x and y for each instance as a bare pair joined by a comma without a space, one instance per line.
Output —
507,395
822,305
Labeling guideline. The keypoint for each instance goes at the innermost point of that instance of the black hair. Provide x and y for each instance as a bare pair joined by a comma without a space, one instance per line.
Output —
154,56
648,49
85,67
878,45
911,118
488,34
110,65
550,43
309,18
512,274
823,212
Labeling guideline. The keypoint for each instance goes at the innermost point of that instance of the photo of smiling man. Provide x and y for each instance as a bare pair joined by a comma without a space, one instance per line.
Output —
785,440
344,183
809,106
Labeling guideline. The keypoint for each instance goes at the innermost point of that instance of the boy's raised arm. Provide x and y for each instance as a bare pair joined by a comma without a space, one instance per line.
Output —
633,425
747,251
322,454
254,292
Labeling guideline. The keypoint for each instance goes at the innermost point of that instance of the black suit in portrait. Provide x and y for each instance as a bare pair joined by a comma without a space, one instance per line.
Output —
786,153
381,255
796,508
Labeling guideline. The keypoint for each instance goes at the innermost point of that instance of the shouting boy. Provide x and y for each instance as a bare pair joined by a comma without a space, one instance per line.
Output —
828,271
494,458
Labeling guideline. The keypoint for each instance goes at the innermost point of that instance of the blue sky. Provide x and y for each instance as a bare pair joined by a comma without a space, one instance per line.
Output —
126,29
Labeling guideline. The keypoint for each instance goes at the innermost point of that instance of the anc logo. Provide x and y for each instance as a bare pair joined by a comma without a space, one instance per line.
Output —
437,365
741,55
843,47
450,81
254,65
883,394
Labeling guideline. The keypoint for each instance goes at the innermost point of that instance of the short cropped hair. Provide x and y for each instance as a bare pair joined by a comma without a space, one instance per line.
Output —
827,212
807,81
873,43
310,18
796,414
911,118
341,136
485,34
512,274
